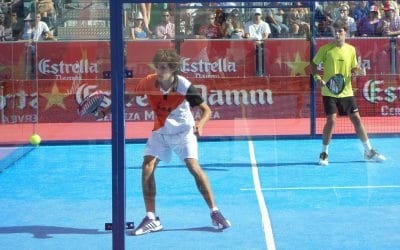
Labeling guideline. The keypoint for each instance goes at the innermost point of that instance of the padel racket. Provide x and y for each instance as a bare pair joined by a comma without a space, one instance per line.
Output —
91,103
336,84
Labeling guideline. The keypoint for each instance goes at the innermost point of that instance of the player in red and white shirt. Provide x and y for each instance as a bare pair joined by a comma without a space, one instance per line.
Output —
171,96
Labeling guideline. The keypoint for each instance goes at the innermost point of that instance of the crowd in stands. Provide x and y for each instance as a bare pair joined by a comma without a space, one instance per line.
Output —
223,20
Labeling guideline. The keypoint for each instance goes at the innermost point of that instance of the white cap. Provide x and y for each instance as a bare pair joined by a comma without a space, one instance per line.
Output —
257,11
138,15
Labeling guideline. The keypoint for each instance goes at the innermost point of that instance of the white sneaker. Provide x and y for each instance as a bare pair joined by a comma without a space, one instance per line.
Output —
373,155
147,226
323,159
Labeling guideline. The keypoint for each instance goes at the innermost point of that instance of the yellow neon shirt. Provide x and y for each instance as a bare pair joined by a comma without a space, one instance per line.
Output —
337,60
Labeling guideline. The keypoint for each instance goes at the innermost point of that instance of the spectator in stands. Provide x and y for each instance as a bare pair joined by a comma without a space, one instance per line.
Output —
360,10
324,27
368,24
41,30
389,24
28,31
5,29
210,30
2,31
298,21
166,29
139,30
145,9
256,28
344,17
233,27
275,22
17,26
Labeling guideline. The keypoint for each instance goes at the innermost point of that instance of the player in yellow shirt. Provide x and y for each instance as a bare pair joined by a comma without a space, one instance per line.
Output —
339,57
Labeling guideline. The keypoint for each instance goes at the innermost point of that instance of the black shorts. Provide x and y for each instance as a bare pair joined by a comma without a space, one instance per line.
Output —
343,106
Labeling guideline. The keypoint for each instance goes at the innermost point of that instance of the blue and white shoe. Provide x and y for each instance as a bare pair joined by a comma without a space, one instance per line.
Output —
373,155
219,220
323,159
147,226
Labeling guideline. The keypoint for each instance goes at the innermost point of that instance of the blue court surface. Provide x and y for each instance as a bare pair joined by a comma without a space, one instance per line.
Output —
272,191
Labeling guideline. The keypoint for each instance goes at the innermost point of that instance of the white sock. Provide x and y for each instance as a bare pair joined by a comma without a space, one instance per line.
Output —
367,145
151,215
325,148
214,209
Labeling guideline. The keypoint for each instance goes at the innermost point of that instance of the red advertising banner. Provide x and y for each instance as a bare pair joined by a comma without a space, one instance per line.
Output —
139,55
14,63
218,58
67,72
287,57
72,60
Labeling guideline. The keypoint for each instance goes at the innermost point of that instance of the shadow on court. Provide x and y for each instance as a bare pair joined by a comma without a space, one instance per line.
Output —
227,166
196,229
44,232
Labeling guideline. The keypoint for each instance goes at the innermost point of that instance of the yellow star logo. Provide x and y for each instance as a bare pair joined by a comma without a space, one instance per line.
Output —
55,98
298,66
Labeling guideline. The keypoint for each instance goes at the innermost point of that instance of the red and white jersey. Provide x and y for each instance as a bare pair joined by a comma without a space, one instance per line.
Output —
172,107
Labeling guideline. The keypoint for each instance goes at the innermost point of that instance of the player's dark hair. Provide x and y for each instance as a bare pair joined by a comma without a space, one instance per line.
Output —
168,56
340,24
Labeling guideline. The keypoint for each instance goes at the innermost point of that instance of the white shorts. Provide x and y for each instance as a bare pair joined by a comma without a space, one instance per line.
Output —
162,145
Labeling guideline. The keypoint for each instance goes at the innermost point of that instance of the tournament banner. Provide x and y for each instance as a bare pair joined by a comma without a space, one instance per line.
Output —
140,53
49,101
289,57
207,59
13,61
72,60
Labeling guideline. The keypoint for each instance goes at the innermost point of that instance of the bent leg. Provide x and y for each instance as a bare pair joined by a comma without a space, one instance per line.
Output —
358,126
202,182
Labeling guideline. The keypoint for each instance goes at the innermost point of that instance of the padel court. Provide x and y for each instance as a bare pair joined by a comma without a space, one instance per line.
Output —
272,191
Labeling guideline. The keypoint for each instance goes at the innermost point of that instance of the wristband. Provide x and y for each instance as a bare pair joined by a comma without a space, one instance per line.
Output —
317,77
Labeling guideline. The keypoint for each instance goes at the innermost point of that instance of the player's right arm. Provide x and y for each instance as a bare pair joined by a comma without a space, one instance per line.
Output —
318,58
314,72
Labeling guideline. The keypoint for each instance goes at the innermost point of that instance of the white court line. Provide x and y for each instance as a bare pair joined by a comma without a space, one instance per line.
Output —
266,222
322,188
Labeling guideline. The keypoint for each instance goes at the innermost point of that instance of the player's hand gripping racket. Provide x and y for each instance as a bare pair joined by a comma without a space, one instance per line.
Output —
336,84
91,103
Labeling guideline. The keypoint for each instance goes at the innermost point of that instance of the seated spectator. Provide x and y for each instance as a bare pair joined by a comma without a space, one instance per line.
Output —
344,17
368,24
298,21
165,29
2,33
233,27
360,10
256,28
41,30
324,27
389,24
28,32
36,30
139,30
5,30
210,30
17,26
275,23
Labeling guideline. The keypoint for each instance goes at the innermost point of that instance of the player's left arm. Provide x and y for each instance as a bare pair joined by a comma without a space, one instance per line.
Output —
195,100
357,69
205,116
